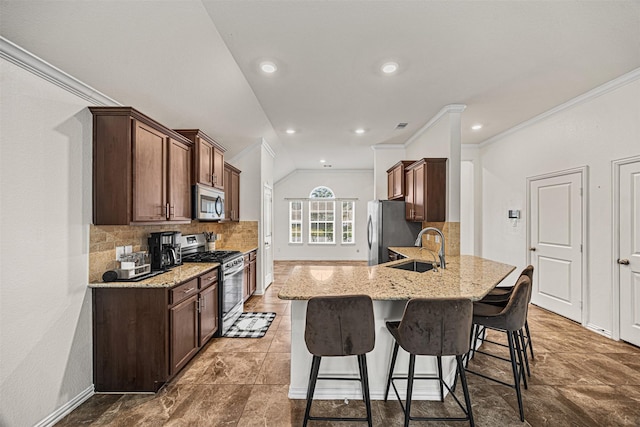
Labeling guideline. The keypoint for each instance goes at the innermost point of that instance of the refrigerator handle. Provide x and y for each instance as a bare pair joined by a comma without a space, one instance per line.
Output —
369,232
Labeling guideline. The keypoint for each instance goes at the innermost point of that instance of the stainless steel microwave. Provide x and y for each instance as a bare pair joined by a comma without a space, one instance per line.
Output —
208,203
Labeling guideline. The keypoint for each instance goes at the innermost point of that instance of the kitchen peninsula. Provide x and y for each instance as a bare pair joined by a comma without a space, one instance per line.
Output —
390,288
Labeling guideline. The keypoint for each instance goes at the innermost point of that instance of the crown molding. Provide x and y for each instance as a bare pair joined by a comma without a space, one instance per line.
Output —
267,147
41,68
587,96
447,109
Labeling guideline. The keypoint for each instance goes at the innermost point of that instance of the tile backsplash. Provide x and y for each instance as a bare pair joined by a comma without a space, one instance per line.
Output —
451,231
103,240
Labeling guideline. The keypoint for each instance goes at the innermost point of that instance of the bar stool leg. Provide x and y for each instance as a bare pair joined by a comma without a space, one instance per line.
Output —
407,412
313,377
516,339
465,389
516,376
364,375
524,351
393,364
526,327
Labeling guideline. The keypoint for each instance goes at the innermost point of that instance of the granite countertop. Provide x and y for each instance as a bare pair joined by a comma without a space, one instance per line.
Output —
465,277
244,249
169,279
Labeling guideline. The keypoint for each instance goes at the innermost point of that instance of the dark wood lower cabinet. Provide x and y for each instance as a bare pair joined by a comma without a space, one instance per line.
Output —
249,279
142,337
184,333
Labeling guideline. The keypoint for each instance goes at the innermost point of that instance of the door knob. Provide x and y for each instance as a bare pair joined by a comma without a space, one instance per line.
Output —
532,249
623,261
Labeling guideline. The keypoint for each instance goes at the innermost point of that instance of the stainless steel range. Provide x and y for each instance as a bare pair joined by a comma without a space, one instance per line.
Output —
230,276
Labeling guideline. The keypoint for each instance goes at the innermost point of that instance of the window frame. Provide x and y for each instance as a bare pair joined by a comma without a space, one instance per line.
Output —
351,222
292,222
332,203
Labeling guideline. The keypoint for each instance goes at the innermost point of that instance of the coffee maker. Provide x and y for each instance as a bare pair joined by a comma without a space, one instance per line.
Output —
164,248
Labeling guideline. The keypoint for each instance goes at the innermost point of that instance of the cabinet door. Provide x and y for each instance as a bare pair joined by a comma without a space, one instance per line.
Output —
235,196
204,164
409,188
397,182
149,174
252,277
419,193
218,168
179,174
208,313
183,320
390,186
227,194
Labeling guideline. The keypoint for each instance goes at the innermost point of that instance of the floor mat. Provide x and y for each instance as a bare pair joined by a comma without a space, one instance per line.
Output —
251,325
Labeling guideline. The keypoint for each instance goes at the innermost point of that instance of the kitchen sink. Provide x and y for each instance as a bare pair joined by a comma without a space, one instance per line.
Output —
417,266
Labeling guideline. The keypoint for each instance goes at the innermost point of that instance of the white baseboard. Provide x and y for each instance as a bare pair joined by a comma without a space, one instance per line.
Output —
599,330
67,408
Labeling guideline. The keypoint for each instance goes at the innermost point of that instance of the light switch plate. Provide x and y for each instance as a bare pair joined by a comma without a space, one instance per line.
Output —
119,252
128,249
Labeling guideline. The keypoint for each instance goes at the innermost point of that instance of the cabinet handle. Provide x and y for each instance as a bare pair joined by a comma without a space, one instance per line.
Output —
532,249
198,308
186,291
203,302
166,211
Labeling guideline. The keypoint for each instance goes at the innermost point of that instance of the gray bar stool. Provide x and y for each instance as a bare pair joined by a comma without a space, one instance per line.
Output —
509,319
339,326
500,296
438,328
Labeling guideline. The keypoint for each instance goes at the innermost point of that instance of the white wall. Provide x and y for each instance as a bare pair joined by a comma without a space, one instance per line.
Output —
344,183
45,211
591,133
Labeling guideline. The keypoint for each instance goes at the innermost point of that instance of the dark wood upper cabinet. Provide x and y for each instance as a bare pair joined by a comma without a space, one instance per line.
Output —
396,189
426,190
208,158
232,193
141,169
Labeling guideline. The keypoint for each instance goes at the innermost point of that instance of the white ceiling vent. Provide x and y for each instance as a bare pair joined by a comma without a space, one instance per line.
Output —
401,125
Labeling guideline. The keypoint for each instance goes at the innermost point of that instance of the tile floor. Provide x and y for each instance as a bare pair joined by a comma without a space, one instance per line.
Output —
578,378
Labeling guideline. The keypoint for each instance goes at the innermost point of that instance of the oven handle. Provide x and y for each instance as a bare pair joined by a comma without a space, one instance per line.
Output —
234,270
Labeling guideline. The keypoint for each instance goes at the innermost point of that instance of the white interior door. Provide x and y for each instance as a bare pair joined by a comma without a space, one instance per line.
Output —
267,221
556,222
629,261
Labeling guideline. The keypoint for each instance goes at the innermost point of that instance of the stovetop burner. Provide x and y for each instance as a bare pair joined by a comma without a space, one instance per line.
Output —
214,256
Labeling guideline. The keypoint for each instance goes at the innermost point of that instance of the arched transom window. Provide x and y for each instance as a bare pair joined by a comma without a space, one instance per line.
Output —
321,215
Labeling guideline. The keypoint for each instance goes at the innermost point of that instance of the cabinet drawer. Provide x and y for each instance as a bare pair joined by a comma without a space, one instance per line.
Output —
183,291
208,279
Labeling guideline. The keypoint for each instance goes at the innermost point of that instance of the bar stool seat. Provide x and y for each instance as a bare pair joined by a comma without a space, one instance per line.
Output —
438,328
339,326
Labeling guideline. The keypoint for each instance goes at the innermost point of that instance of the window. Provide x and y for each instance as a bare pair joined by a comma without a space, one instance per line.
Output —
321,215
295,221
348,215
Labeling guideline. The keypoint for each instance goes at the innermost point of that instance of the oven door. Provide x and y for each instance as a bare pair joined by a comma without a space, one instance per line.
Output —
208,203
232,298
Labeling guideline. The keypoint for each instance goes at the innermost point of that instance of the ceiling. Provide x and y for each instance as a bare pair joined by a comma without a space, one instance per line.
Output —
194,63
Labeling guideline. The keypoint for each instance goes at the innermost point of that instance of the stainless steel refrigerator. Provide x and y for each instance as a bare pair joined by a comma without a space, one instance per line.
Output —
386,226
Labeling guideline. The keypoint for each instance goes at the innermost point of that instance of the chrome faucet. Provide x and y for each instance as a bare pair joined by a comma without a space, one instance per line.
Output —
441,251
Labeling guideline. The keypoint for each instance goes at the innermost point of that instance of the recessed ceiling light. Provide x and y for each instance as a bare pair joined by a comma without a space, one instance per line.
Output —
359,131
268,67
477,126
389,67
290,131
322,161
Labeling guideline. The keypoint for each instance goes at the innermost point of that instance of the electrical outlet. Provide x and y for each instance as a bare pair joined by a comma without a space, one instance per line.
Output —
119,252
437,239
